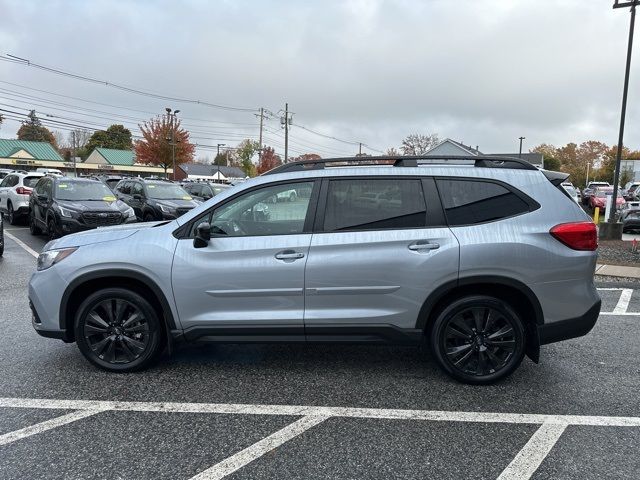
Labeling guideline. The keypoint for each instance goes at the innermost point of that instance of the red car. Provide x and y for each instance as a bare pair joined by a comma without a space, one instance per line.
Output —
599,198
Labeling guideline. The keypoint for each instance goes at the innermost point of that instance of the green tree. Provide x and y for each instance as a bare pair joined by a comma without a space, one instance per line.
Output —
116,136
32,129
549,154
224,159
244,152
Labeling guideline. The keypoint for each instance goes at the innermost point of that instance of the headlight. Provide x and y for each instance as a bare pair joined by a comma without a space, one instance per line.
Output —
165,209
51,257
65,212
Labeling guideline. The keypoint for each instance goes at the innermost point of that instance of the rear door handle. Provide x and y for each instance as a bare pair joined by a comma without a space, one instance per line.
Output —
289,255
423,245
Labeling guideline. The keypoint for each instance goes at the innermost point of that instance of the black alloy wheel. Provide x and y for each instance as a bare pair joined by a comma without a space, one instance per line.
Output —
33,228
118,330
478,339
52,231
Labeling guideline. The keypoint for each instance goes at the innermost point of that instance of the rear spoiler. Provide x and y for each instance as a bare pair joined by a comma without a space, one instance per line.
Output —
556,178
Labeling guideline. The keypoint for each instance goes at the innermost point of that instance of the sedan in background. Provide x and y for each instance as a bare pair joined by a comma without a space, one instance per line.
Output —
15,189
204,190
587,193
630,216
599,198
60,205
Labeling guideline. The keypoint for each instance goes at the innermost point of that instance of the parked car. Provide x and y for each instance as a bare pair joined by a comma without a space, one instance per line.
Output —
205,190
109,180
15,189
572,192
599,198
630,216
50,171
587,193
4,172
1,236
59,205
482,264
155,199
630,190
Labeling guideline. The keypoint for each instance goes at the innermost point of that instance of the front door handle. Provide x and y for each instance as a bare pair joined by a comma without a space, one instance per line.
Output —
289,255
423,245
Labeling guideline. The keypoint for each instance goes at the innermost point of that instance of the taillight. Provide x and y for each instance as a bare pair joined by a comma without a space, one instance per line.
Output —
578,236
23,191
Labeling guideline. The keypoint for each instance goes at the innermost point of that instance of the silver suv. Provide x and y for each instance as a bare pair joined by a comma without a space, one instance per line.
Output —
484,259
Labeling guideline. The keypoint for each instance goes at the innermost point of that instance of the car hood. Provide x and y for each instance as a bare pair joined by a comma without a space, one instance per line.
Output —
100,234
93,205
178,203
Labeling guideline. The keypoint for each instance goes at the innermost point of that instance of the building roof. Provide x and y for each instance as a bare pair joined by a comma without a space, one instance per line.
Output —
532,158
38,150
202,170
117,157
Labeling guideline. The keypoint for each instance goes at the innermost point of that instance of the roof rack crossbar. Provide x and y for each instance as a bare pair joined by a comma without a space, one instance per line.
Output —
484,161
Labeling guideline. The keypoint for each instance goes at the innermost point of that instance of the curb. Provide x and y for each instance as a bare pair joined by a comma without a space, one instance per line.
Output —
618,271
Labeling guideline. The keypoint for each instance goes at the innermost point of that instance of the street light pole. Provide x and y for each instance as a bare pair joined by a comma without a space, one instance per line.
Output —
520,153
616,178
172,117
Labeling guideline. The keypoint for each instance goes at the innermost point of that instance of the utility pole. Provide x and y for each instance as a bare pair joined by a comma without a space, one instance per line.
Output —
219,160
609,231
286,122
260,141
73,141
172,117
520,153
360,149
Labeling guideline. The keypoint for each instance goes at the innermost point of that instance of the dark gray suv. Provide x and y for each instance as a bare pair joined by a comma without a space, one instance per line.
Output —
483,259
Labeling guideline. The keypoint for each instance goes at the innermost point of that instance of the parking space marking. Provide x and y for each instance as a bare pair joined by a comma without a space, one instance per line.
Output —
529,458
623,302
258,449
46,425
20,243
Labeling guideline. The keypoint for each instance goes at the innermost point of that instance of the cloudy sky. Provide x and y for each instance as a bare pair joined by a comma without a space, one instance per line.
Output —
483,72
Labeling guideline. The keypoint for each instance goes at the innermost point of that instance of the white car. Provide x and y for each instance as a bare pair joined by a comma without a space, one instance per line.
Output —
572,192
15,189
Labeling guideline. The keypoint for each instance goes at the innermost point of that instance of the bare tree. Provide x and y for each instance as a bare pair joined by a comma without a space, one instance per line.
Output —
418,144
393,152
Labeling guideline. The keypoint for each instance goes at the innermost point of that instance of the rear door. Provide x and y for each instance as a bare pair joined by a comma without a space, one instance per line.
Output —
5,185
380,247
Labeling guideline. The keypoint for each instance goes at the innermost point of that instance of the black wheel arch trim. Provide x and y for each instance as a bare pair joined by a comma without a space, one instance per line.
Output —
167,316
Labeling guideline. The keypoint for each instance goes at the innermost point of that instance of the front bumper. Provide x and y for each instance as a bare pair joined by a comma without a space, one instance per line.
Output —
73,225
570,328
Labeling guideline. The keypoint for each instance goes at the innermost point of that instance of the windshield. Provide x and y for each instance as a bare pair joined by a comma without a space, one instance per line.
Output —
604,193
570,190
74,190
167,191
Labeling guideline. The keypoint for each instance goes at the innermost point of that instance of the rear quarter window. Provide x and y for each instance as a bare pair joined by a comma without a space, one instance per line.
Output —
469,202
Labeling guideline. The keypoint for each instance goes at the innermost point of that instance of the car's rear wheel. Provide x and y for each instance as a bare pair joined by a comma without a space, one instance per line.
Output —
149,218
11,214
33,227
118,330
478,339
52,230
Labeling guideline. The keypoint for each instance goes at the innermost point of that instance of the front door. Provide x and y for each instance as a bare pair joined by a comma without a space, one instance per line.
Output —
375,258
248,281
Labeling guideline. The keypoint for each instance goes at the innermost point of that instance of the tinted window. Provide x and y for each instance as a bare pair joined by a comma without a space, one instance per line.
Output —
195,189
137,189
166,191
4,182
124,187
474,201
11,181
374,204
260,213
30,182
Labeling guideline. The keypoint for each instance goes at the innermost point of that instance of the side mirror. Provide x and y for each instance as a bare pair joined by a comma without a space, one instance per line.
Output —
203,235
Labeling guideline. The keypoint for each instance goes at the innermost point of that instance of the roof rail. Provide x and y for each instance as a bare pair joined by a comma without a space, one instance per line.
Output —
483,161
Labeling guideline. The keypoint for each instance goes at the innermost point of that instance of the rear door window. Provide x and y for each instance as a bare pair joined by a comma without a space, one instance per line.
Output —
374,204
468,202
30,182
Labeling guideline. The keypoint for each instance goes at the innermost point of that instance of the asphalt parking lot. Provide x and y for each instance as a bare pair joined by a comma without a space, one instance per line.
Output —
295,411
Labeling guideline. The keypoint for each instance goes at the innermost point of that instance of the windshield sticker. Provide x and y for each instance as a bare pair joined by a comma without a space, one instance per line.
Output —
109,198
62,185
151,186
187,197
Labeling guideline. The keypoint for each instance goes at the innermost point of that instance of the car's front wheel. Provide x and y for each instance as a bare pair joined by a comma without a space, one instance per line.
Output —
478,339
11,214
33,227
116,329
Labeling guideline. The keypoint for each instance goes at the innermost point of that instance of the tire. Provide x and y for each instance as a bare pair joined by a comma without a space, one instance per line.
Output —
33,227
52,230
11,214
111,344
472,357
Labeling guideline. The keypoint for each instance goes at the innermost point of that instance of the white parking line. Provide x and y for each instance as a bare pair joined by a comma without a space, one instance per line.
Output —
20,243
623,302
46,425
527,461
258,449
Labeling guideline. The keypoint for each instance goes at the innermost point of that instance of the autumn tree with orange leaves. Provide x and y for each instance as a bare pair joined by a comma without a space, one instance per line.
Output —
268,160
156,146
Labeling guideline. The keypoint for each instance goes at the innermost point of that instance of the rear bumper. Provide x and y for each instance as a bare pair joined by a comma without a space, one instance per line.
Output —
570,328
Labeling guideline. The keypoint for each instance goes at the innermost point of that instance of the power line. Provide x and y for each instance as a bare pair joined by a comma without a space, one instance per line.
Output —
29,63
